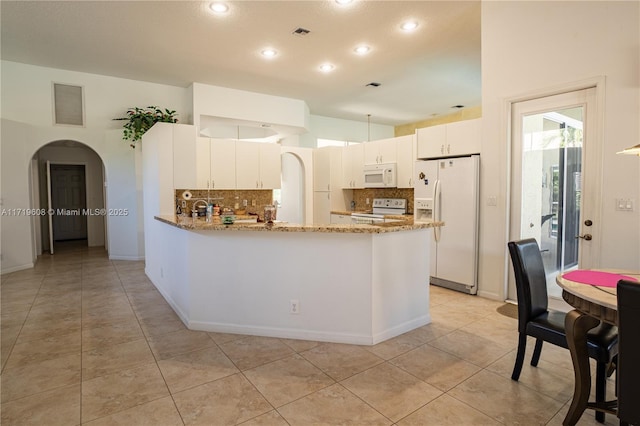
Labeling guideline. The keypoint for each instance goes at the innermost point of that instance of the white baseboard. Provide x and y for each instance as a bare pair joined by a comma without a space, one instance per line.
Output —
401,329
283,333
134,258
17,268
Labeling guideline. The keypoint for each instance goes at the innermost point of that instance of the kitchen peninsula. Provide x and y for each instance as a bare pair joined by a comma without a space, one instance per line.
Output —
359,284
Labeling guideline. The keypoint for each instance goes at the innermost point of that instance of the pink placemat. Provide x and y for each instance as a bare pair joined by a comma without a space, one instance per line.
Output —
599,278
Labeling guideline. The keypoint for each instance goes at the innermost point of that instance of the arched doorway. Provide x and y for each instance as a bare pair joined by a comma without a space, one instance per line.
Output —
67,180
296,194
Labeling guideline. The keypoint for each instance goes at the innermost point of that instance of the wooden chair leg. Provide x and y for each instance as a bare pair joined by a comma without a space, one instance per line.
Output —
601,388
536,352
522,346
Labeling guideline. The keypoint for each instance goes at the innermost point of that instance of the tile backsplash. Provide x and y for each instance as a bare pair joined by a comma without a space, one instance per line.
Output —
360,196
229,198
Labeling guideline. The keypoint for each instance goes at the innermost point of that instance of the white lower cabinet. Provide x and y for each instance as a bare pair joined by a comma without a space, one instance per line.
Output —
321,207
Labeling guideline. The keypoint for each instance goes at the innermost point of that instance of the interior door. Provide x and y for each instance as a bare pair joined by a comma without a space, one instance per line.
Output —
555,197
68,199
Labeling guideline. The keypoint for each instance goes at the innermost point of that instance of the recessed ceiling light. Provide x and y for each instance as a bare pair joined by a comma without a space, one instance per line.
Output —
362,50
326,67
409,26
344,1
219,7
269,53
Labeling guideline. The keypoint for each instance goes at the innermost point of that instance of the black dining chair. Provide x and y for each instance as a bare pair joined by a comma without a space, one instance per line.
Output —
628,374
536,320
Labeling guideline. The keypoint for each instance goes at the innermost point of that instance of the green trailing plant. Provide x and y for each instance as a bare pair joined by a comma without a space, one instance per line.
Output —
139,120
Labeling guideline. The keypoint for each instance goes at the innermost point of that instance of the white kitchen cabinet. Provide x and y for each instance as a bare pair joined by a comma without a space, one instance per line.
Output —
327,168
202,163
321,207
327,184
258,165
463,137
270,166
380,151
353,166
214,164
247,165
406,160
340,219
223,164
449,140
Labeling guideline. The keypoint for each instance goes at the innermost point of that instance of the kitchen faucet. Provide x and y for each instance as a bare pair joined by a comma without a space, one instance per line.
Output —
194,208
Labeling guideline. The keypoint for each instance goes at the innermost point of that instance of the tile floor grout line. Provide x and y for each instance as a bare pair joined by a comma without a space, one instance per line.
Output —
13,345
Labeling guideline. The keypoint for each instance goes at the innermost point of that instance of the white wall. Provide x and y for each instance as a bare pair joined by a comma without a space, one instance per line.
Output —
321,127
215,101
27,126
539,46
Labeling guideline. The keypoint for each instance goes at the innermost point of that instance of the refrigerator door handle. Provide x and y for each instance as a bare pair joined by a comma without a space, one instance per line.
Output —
436,210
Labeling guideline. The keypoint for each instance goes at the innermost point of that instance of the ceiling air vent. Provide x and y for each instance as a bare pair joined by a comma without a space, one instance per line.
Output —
68,104
301,31
373,84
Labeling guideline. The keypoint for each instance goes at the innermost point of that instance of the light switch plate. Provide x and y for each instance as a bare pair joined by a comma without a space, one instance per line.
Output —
625,204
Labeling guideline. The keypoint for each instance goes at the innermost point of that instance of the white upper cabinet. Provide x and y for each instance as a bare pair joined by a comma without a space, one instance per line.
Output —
463,137
406,159
247,165
380,151
352,166
270,166
214,164
258,165
448,140
322,169
203,163
223,164
327,169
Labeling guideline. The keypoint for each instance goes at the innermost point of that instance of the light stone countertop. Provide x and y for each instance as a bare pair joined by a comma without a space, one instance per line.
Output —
200,224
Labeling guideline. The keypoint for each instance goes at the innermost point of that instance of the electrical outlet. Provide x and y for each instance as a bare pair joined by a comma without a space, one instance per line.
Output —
244,203
367,201
184,204
253,203
294,306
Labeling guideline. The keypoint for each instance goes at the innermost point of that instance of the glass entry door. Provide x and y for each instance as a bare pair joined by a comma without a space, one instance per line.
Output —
547,181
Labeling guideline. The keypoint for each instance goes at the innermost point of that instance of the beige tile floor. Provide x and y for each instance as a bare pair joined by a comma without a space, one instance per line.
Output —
90,341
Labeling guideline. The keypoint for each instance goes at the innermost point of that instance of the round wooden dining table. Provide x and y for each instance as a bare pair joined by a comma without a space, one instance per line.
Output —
593,295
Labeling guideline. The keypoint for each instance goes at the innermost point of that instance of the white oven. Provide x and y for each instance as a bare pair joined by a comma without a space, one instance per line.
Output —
380,175
367,219
381,207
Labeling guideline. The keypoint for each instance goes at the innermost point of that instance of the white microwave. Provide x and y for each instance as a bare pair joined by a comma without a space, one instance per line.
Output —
380,175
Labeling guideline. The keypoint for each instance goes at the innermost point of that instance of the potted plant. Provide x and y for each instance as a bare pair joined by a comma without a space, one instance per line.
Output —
139,120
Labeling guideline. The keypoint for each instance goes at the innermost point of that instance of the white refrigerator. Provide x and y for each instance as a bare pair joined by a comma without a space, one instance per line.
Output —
446,190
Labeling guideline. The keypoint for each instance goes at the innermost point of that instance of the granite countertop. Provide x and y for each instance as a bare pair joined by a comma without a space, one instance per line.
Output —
200,224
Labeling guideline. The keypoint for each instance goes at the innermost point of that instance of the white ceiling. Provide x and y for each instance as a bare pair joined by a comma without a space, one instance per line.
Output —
422,74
